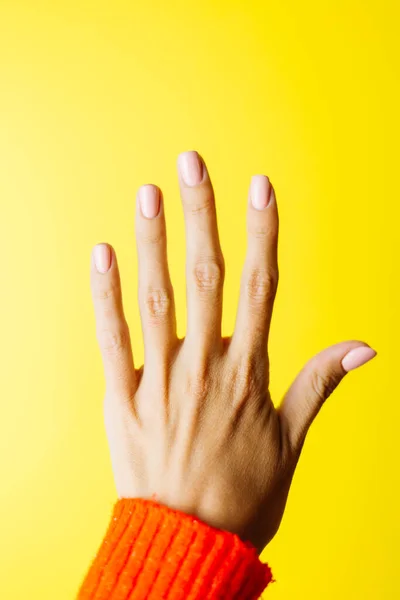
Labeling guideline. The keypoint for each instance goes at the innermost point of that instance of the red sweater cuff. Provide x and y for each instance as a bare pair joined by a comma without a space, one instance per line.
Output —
153,552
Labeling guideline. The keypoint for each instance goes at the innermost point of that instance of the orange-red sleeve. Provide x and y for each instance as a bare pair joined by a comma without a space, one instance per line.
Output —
153,552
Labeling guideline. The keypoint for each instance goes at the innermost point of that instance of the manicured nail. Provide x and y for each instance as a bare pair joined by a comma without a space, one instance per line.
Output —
260,191
191,168
357,357
149,198
102,257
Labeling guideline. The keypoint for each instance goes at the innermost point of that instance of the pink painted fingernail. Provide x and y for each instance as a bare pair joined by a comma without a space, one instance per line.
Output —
149,199
357,357
191,168
102,257
260,191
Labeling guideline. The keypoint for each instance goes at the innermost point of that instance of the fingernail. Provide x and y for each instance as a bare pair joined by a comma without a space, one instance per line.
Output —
191,168
357,357
102,257
149,199
260,191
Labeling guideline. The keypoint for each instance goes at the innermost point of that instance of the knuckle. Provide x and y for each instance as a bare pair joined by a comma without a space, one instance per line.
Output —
263,232
112,341
209,275
260,232
202,204
111,290
323,385
158,303
199,387
151,238
198,384
200,375
261,285
246,374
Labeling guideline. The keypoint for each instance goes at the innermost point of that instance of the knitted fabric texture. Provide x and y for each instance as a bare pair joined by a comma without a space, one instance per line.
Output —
153,552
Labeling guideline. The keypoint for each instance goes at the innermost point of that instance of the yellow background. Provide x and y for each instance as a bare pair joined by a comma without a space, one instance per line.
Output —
97,98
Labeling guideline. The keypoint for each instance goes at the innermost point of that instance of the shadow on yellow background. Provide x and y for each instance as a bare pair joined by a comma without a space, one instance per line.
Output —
97,98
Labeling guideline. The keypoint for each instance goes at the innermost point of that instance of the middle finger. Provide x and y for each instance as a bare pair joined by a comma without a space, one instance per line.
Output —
205,268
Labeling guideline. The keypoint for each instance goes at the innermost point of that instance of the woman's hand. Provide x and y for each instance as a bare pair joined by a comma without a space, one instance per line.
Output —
194,428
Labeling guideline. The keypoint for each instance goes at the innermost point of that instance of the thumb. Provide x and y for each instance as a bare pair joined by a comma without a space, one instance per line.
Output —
315,382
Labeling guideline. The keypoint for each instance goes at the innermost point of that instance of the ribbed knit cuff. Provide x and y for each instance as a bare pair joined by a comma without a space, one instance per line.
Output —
153,552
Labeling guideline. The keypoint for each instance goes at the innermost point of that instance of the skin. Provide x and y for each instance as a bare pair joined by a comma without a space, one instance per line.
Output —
195,428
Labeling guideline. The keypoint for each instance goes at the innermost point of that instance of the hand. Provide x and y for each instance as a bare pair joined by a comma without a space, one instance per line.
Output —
194,428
